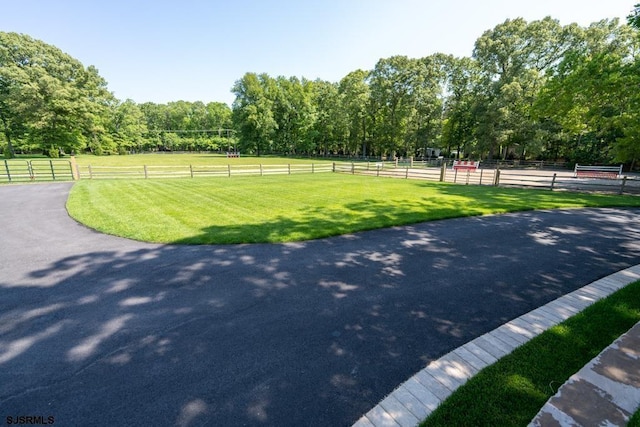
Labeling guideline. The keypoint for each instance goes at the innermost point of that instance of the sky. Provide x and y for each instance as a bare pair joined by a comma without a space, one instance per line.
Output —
195,50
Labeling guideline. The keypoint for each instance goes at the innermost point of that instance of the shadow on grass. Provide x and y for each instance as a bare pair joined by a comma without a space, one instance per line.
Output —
369,214
441,201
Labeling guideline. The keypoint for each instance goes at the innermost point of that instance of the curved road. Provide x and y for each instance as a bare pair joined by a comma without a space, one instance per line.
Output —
99,330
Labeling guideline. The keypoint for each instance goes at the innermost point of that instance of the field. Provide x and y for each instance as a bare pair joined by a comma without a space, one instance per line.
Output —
286,208
171,159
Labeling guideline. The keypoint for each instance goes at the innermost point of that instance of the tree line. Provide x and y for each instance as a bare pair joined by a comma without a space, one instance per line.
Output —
51,103
531,90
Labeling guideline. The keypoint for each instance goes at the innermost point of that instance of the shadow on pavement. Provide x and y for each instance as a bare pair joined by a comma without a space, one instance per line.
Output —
312,333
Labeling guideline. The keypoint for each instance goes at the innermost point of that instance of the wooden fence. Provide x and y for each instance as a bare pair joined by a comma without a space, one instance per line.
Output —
17,170
524,178
196,171
36,170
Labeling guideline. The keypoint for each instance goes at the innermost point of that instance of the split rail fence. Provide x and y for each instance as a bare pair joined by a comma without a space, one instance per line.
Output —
17,170
524,178
193,171
36,170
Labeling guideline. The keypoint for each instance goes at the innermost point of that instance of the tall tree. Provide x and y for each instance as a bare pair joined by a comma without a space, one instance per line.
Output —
514,58
634,17
355,95
460,123
49,97
391,86
293,112
592,92
329,133
253,113
426,101
129,126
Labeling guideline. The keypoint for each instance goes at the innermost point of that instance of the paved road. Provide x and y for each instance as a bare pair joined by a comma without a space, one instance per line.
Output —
98,330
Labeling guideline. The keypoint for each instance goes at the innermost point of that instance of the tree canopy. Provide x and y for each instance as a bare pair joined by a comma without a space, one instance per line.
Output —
531,90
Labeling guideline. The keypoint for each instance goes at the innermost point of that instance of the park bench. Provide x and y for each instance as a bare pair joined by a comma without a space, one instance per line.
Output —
466,165
230,154
606,172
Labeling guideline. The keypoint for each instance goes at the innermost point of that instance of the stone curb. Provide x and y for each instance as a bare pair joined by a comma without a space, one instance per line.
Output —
418,397
606,391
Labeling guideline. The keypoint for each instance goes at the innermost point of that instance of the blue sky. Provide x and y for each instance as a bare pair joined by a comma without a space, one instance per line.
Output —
191,50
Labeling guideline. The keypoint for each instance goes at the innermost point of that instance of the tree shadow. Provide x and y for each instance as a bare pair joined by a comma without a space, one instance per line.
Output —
233,335
376,213
318,223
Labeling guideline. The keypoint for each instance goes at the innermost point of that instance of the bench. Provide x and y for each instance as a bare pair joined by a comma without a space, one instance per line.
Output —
232,154
466,165
606,172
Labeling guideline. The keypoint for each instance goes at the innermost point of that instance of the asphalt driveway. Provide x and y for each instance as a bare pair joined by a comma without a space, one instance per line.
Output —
99,330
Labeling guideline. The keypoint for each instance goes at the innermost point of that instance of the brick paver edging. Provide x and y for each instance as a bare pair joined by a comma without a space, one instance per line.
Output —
416,398
605,392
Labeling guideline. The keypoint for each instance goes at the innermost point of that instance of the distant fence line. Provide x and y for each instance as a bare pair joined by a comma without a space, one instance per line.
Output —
196,171
528,175
67,170
524,178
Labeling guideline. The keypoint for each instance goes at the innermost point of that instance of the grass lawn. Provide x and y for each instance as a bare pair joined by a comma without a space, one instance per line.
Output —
285,208
513,390
186,159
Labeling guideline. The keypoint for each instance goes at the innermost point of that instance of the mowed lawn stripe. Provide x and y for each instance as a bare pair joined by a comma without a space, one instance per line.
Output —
284,208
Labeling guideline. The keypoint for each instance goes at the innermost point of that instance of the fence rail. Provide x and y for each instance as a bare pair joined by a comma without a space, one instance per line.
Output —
36,170
524,178
196,171
532,177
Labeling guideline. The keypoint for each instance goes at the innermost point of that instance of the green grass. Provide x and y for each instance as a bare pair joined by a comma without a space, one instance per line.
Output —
512,391
186,159
287,208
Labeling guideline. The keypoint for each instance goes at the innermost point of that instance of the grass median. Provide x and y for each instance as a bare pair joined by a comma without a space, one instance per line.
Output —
512,391
286,208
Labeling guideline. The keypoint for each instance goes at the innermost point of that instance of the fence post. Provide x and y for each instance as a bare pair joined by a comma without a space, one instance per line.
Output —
624,181
468,175
313,169
260,169
191,170
229,169
553,181
53,173
6,166
289,168
90,173
32,174
353,168
333,169
145,172
406,174
497,178
443,171
75,171
481,170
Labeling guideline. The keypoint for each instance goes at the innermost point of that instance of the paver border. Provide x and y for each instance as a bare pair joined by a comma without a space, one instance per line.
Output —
420,395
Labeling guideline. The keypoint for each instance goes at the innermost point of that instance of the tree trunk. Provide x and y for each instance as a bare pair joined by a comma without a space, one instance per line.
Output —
7,135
